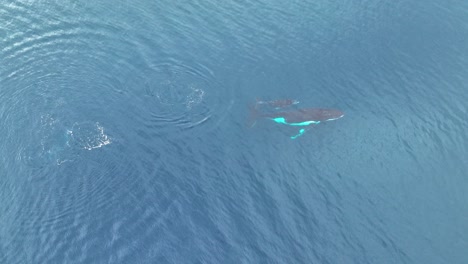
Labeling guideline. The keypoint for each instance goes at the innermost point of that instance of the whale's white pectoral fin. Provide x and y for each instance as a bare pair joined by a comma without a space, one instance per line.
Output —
301,132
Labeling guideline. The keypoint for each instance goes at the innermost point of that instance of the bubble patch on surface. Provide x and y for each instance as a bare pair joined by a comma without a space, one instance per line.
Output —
57,144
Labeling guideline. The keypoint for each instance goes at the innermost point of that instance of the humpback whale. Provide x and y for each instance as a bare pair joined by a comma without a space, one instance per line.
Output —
300,117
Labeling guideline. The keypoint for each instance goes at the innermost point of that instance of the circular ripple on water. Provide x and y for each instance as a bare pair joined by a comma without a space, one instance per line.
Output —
182,96
61,78
53,78
59,81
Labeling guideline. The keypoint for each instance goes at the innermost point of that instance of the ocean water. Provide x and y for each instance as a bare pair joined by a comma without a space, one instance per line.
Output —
124,133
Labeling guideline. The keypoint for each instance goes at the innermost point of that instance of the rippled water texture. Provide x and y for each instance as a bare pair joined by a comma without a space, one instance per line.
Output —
124,133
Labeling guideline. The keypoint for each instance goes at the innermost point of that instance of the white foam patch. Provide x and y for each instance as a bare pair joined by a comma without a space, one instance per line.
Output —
89,136
54,143
194,98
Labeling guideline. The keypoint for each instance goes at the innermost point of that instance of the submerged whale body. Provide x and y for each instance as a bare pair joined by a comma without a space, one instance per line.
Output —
305,116
299,117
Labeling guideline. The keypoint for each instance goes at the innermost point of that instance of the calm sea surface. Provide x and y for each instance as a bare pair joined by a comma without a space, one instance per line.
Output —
124,133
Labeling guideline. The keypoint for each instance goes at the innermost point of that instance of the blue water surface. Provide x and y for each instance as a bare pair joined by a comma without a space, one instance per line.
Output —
125,135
